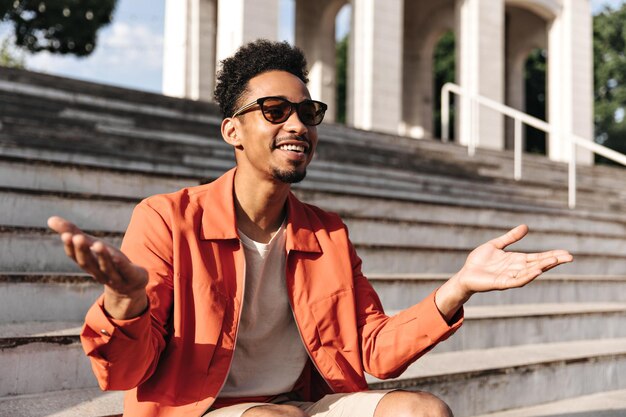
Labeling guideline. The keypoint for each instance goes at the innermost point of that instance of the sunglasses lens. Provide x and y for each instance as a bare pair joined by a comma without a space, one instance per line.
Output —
311,112
276,110
308,113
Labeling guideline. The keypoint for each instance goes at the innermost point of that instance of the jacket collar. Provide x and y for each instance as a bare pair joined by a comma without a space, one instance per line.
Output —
218,209
300,233
220,223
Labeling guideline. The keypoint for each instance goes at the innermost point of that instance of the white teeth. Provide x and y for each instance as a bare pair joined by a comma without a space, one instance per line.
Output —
296,148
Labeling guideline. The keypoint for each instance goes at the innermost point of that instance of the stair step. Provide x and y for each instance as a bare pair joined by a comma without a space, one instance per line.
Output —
34,364
488,327
25,330
602,404
33,209
46,297
98,101
38,249
39,176
196,167
85,402
379,259
482,381
398,291
457,214
446,236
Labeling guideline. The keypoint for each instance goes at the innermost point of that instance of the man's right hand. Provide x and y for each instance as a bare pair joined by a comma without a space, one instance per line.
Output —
124,282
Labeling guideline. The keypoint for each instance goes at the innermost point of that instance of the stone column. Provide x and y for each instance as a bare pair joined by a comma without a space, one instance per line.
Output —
481,68
189,48
570,79
375,89
241,21
315,35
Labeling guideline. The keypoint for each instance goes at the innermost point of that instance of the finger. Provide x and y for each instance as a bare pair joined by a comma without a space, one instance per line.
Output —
546,263
560,259
105,264
558,253
526,275
510,237
86,259
60,225
68,245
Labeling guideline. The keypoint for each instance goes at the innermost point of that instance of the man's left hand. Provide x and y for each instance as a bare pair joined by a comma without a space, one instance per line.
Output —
489,268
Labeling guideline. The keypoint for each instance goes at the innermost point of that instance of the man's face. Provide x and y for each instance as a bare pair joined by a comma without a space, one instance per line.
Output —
280,152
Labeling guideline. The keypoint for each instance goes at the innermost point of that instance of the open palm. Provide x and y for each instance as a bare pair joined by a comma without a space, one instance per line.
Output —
124,282
489,267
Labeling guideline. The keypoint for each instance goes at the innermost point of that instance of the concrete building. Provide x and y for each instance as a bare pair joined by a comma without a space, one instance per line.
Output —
390,76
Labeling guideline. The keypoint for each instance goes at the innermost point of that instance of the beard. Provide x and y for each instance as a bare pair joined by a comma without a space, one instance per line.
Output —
289,177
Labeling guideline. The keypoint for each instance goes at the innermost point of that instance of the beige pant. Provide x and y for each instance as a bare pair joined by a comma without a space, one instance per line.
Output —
357,404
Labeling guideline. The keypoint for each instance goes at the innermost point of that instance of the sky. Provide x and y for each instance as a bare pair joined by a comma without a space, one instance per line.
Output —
138,63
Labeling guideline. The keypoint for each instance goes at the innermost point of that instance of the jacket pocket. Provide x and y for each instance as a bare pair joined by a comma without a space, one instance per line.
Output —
335,320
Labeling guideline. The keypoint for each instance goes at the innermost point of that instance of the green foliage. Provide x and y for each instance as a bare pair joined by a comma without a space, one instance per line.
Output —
535,83
609,64
341,63
57,26
444,60
8,56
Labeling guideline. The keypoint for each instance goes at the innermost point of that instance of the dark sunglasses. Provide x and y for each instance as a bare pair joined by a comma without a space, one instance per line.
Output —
277,110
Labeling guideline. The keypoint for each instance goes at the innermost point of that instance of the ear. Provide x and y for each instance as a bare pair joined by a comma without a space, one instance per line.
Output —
229,132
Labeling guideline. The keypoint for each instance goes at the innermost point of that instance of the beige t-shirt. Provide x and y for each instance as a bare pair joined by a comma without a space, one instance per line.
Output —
269,354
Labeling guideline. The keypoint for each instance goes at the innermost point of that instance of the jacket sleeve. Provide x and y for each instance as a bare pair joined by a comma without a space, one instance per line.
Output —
125,353
390,344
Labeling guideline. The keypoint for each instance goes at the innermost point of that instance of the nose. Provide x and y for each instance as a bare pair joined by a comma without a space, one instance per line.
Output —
294,125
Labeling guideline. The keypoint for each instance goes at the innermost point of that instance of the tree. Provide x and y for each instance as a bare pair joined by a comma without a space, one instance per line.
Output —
444,60
57,26
535,97
8,57
609,64
341,60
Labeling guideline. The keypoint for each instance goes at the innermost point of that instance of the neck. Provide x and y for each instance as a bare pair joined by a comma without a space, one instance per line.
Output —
260,207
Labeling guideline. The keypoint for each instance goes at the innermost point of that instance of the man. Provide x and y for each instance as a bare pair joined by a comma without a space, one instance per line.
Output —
236,299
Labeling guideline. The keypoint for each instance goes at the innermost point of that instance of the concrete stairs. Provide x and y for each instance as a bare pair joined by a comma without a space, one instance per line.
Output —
414,208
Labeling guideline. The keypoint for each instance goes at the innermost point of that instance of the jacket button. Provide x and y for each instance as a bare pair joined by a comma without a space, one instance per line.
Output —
104,332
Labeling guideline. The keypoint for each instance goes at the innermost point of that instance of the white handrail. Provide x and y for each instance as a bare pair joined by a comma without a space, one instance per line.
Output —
519,118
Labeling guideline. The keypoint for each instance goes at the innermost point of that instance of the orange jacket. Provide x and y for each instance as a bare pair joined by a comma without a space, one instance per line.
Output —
175,358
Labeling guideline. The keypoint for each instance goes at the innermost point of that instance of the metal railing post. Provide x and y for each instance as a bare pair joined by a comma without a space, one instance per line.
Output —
517,161
445,114
571,200
471,146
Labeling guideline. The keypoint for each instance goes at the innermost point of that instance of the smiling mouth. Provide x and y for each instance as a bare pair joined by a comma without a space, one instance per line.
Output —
293,148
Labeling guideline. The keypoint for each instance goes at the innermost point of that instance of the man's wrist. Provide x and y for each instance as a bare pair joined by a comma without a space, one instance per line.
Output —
451,296
125,307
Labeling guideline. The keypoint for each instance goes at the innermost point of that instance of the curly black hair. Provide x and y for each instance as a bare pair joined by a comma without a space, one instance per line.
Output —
251,60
